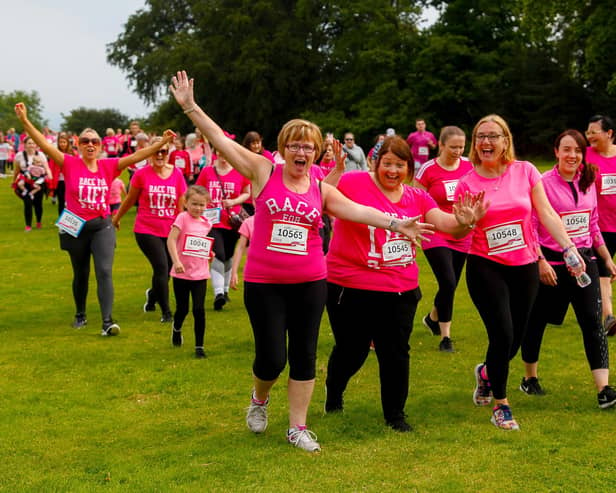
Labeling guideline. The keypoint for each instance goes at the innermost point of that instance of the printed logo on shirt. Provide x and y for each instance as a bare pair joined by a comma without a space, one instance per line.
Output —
92,193
576,223
162,200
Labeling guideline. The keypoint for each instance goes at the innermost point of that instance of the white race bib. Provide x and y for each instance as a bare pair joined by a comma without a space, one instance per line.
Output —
180,163
197,246
423,150
70,223
398,252
608,184
505,238
450,188
577,223
212,215
289,238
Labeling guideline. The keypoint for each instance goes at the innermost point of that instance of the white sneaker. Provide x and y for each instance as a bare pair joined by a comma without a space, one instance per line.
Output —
304,439
256,417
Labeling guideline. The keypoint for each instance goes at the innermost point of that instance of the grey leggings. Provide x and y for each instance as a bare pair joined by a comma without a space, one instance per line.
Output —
96,240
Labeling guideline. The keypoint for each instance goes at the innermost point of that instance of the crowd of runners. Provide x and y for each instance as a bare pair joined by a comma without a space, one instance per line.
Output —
327,227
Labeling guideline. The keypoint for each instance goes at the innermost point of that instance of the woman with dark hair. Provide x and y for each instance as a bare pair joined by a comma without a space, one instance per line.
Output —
369,267
570,188
501,269
602,153
26,162
85,225
446,254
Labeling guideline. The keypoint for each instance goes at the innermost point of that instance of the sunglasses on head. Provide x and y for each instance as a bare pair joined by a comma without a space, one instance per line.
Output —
86,140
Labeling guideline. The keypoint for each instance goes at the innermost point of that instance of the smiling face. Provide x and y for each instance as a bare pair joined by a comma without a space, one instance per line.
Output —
391,171
196,204
569,155
89,145
159,159
598,138
490,143
30,146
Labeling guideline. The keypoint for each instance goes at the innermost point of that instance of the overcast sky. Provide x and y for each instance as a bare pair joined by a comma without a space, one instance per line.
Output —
57,47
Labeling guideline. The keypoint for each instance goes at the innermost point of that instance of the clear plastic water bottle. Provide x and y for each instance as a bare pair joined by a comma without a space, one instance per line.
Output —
572,260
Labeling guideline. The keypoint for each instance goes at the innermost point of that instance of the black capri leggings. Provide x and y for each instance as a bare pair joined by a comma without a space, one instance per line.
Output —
504,296
155,250
97,240
447,265
224,243
183,289
276,310
37,204
551,306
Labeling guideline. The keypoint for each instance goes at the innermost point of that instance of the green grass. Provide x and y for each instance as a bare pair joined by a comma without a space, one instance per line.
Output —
84,413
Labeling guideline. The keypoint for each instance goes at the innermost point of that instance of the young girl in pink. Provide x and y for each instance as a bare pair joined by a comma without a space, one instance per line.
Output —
190,249
446,254
180,158
116,192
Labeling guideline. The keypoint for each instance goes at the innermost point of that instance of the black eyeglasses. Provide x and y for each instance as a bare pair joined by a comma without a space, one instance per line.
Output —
85,141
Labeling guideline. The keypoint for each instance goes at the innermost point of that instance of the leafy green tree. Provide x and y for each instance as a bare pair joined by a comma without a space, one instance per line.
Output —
99,120
7,109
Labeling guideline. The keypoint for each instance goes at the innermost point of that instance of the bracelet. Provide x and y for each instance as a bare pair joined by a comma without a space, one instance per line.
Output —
568,248
393,224
540,257
189,110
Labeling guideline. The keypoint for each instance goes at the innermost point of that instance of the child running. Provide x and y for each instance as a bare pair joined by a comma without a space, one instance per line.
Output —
190,249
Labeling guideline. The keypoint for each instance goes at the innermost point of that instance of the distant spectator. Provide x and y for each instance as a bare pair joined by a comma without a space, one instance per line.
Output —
356,159
421,142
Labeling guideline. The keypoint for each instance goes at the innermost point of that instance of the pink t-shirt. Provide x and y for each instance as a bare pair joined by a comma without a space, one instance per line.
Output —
285,246
234,185
87,192
192,231
580,217
158,200
606,188
111,145
181,160
327,166
420,145
505,234
365,257
247,227
115,191
441,185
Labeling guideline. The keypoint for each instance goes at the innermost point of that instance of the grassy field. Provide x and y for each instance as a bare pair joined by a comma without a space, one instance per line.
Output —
84,413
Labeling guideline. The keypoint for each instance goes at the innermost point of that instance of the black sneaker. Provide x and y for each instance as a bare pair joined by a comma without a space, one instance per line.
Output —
166,318
219,302
445,345
110,328
432,325
200,353
150,304
400,424
531,386
333,403
177,339
227,299
80,321
609,324
607,397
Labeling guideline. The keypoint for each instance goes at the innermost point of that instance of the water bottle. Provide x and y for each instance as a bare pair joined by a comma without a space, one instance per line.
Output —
572,260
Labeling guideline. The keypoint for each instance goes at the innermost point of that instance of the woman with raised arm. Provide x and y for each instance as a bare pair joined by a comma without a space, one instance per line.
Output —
285,275
85,224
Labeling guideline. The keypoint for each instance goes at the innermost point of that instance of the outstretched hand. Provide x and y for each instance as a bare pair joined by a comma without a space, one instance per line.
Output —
339,154
168,136
414,230
182,89
470,208
21,111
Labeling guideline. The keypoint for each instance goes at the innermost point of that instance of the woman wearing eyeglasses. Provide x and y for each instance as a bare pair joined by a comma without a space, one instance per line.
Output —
501,270
602,153
85,224
159,190
285,275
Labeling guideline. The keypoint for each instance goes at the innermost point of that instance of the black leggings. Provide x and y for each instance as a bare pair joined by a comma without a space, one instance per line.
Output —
224,243
183,290
60,195
355,321
37,204
504,296
155,250
446,265
96,240
276,310
551,306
